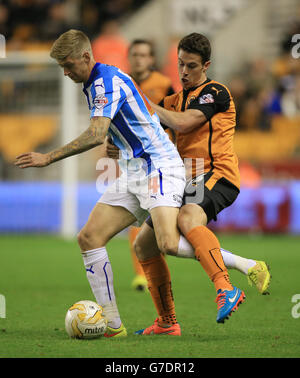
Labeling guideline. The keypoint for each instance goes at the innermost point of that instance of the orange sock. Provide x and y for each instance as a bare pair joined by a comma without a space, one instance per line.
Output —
207,252
133,231
159,283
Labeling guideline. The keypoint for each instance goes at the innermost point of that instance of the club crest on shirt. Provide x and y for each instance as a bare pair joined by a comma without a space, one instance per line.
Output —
206,99
100,101
192,98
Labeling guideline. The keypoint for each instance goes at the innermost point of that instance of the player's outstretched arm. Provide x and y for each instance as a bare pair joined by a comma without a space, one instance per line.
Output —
184,122
90,138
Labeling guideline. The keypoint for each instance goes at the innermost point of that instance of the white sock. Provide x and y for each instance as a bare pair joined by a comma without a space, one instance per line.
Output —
185,248
100,277
232,261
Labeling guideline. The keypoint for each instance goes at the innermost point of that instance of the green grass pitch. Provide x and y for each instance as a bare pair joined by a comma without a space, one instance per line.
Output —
41,276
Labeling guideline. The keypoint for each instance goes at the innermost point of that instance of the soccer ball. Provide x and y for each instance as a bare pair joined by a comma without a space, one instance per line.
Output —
85,320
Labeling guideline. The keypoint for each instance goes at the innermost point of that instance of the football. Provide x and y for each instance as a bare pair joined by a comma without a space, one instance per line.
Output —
85,320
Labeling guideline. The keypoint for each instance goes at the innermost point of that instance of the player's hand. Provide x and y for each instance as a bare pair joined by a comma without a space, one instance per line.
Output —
112,151
32,159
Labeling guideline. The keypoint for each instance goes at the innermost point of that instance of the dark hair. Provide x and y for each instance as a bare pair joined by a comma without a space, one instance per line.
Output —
197,44
142,42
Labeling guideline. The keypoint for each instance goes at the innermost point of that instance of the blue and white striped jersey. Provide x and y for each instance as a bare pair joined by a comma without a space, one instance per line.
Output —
135,129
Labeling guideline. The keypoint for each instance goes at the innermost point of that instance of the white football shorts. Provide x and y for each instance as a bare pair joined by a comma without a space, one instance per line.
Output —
140,193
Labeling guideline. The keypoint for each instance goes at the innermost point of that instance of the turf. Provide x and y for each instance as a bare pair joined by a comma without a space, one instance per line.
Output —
41,276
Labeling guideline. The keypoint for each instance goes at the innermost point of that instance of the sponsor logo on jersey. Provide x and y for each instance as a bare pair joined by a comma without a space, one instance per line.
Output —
100,101
206,99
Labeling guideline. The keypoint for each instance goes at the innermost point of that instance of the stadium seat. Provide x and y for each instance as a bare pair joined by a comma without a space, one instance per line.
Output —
281,142
22,133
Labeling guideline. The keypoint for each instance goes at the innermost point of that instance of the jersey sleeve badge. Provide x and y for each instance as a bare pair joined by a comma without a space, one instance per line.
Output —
100,101
206,99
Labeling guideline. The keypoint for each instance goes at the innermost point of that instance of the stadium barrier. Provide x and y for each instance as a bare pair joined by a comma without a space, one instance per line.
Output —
36,207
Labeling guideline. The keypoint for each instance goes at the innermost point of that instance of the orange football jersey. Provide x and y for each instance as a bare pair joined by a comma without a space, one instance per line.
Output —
156,86
213,140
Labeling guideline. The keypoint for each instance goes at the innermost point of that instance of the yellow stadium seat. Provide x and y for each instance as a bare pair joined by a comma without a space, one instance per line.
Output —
279,143
24,133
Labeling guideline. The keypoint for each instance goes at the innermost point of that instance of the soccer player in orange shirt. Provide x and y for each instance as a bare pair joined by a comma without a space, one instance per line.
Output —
203,117
141,59
154,85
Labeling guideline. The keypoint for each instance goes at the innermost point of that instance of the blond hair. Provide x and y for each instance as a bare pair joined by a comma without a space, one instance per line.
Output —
70,44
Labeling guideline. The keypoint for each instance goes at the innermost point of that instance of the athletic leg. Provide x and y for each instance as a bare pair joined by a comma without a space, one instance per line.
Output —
104,222
257,272
192,222
162,201
159,283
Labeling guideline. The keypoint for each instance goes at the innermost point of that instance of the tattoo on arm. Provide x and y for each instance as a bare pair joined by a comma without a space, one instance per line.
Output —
90,138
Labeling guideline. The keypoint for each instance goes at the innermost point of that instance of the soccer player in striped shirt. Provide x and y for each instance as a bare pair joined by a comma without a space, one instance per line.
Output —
153,174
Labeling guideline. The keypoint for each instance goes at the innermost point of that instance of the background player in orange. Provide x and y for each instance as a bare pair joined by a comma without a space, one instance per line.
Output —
155,86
